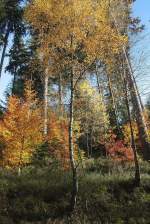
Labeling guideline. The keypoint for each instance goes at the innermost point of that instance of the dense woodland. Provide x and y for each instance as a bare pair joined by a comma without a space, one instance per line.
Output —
74,132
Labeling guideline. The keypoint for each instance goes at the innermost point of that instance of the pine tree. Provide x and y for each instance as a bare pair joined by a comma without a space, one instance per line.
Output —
11,22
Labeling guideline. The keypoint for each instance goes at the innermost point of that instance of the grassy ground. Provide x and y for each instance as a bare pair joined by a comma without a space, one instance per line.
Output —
106,195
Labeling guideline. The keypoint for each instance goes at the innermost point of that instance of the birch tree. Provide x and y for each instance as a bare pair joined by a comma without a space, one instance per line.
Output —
80,32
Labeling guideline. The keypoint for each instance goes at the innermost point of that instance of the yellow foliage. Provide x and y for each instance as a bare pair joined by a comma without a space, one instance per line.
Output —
127,133
91,105
69,24
90,116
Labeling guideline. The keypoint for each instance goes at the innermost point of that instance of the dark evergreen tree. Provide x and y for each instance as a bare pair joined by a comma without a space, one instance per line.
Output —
24,65
10,22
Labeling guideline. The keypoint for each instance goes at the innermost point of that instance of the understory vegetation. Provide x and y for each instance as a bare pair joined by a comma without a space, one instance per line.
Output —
107,194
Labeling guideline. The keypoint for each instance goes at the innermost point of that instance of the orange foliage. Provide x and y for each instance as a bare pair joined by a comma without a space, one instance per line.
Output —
58,140
20,129
119,152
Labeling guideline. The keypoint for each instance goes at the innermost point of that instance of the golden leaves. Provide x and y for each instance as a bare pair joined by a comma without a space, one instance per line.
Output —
68,24
21,128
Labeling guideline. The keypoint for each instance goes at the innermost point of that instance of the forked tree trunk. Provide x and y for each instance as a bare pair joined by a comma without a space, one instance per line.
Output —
4,49
71,148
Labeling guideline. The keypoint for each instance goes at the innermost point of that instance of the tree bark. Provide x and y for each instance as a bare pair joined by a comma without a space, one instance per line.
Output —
91,145
112,110
46,103
142,129
14,83
133,145
87,144
60,95
4,48
71,148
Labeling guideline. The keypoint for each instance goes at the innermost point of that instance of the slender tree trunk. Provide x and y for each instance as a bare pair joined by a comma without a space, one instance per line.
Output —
91,145
87,144
143,136
71,148
112,107
100,90
14,83
46,103
4,49
98,82
133,145
20,156
112,110
87,131
142,129
60,95
136,87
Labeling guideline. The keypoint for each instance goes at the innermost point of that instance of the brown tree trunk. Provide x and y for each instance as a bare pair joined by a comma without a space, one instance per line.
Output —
142,129
133,145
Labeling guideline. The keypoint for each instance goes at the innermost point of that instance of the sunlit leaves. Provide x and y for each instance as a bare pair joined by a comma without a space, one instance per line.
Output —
68,24
21,129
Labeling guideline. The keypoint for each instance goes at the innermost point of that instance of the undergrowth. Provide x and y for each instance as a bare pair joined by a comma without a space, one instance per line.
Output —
106,195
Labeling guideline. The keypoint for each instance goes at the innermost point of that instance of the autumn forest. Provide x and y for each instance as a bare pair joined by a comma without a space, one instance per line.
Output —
74,130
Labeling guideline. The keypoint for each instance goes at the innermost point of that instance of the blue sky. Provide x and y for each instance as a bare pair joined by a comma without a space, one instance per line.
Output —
141,8
4,81
141,50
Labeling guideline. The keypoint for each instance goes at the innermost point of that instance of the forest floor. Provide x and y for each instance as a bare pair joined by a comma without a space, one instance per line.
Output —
107,195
